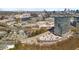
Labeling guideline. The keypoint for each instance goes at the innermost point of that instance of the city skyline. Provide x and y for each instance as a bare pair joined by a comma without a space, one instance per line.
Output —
35,9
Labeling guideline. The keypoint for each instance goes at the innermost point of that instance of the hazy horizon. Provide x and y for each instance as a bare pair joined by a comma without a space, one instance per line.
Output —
35,9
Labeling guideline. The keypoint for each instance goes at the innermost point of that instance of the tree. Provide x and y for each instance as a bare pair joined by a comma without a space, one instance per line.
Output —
77,11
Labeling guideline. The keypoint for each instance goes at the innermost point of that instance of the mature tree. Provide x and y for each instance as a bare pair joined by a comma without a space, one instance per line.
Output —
77,11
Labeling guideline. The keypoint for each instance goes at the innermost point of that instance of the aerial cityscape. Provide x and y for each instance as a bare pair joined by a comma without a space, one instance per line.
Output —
39,29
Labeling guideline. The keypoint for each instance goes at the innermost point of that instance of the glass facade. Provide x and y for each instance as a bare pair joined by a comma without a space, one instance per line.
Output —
62,25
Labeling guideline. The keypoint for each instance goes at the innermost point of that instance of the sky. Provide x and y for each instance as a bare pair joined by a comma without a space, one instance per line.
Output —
35,9
38,5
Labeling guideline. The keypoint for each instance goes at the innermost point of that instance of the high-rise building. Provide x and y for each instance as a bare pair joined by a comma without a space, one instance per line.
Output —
64,24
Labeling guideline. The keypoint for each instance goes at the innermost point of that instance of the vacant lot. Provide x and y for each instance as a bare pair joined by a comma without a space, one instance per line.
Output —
69,44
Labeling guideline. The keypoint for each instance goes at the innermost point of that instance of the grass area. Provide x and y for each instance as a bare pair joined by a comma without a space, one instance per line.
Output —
69,44
37,32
